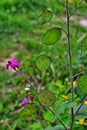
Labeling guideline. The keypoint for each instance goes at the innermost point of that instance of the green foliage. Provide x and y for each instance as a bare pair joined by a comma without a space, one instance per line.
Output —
60,86
46,98
82,114
56,128
36,126
19,32
61,110
48,116
51,36
28,112
82,83
86,1
64,106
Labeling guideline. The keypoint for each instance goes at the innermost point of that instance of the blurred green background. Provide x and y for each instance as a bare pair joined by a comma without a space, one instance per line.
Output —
20,37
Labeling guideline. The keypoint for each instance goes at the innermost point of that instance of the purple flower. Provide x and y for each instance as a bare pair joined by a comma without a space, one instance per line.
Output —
25,101
13,64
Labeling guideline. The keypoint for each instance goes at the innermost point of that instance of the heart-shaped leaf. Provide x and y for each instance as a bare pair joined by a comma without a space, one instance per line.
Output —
82,83
43,62
47,98
45,17
51,36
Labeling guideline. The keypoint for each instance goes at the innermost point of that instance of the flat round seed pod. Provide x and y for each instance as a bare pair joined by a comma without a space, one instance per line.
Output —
46,98
51,36
45,17
82,83
43,62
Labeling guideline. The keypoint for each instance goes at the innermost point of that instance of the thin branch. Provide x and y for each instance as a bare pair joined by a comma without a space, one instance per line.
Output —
80,106
65,32
69,50
59,17
75,8
16,111
6,123
70,62
77,75
61,3
58,118
26,79
72,121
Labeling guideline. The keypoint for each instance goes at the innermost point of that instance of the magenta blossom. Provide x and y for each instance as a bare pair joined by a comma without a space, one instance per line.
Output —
13,64
25,101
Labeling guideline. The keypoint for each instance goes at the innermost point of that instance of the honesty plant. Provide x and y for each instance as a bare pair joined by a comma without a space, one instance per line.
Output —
46,98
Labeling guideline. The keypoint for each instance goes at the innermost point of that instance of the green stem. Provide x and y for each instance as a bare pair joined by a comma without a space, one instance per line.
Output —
76,8
58,118
69,49
80,106
70,61
6,123
58,17
61,3
26,79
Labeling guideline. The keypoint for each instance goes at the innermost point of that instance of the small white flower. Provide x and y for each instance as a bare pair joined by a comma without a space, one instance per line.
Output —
26,88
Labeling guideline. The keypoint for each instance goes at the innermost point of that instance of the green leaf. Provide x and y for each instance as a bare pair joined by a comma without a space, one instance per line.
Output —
47,98
55,128
51,36
45,17
48,116
82,83
35,126
15,124
29,111
65,105
82,112
42,62
60,110
71,104
59,84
